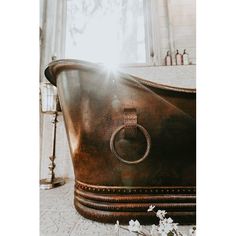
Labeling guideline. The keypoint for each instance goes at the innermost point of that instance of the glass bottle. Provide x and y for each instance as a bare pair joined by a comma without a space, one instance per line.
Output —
178,58
185,58
168,59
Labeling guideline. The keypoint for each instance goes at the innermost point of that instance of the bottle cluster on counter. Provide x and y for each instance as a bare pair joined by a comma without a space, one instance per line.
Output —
179,59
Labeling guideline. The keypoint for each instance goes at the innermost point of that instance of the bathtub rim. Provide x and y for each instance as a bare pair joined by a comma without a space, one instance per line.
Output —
54,68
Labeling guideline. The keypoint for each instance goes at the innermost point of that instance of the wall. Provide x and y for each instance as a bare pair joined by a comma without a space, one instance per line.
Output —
178,27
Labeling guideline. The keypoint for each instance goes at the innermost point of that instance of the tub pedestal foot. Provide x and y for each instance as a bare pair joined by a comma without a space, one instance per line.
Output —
48,184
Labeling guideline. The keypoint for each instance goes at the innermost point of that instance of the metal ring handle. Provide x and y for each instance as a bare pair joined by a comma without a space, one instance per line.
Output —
148,139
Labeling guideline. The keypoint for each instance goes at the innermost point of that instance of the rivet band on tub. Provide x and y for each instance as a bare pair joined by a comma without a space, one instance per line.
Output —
136,189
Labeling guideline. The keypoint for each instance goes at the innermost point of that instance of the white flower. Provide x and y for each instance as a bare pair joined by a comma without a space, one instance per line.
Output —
168,224
167,221
161,214
117,226
163,230
154,230
134,226
151,208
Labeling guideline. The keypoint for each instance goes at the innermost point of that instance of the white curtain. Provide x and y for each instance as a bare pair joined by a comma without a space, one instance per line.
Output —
53,25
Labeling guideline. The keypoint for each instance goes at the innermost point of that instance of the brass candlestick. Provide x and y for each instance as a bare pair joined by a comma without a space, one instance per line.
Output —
52,181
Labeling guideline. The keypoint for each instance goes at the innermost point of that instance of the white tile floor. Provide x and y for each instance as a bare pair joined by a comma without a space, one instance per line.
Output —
58,216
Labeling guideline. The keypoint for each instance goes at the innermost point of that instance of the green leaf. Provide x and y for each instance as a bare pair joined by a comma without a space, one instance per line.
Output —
170,234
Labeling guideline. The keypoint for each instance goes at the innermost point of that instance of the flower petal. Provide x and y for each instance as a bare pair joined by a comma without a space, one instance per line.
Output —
151,208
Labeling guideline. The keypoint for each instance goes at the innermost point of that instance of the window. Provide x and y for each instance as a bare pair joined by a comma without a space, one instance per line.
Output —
107,31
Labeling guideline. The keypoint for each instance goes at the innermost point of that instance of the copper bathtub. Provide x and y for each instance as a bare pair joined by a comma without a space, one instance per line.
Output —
132,143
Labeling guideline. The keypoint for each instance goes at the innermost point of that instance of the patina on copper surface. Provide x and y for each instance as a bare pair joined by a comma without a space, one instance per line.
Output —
140,119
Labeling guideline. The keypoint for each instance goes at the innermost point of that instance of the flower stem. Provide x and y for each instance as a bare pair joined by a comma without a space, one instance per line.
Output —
138,233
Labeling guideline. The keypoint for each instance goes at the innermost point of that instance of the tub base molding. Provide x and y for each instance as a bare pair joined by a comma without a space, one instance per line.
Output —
108,204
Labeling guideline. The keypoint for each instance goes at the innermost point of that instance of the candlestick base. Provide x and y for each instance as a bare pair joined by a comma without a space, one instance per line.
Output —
48,184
